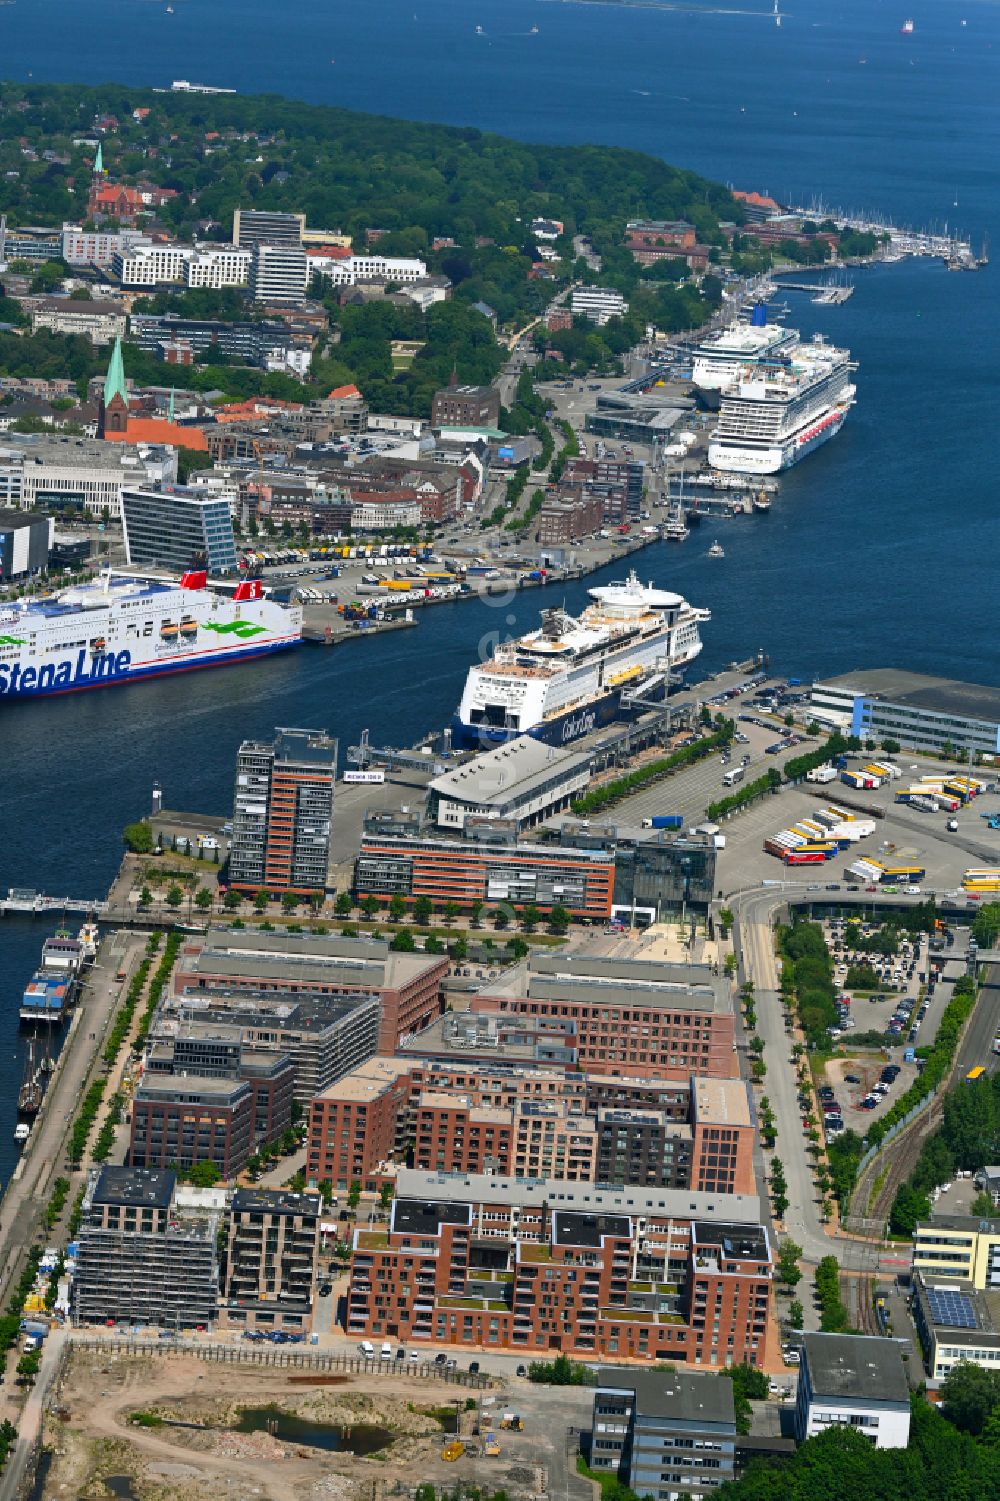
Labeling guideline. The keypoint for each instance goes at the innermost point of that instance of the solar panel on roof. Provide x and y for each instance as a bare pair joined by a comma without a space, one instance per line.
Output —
952,1308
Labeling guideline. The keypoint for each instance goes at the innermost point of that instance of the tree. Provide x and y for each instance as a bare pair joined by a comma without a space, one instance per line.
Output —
325,1188
289,901
788,1269
369,906
726,920
174,895
232,900
968,1396
891,747
475,913
260,900
397,908
204,1174
385,1195
203,899
402,942
729,965
796,1314
433,944
451,911
145,897
559,920
354,1195
422,909
530,918
459,950
984,1208
138,837
344,904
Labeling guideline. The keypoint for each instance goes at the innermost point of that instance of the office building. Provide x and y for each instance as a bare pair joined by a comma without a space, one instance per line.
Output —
25,539
342,269
278,274
218,266
523,780
282,812
255,226
269,1268
958,1245
250,343
955,1321
330,976
855,1381
581,881
474,1113
179,1121
598,304
57,471
98,247
200,1050
143,1257
149,265
100,322
920,712
178,528
664,1434
466,406
628,1016
547,1266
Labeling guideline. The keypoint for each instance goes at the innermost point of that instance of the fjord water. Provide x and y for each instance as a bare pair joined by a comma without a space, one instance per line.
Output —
881,547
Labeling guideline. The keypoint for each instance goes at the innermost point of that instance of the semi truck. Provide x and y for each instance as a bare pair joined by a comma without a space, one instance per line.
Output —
664,821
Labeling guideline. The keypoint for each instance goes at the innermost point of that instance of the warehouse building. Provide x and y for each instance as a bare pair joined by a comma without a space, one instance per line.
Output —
921,712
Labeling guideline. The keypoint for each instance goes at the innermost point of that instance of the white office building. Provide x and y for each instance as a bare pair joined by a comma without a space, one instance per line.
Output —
278,274
218,266
152,265
599,304
349,270
853,1381
378,515
39,471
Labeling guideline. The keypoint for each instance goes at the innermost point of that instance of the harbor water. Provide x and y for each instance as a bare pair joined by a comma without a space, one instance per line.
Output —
872,544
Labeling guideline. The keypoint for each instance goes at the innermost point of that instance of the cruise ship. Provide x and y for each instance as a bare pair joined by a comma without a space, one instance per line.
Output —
721,360
121,629
776,413
566,679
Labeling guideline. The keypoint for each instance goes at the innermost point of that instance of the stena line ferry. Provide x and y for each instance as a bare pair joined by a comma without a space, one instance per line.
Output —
567,679
124,629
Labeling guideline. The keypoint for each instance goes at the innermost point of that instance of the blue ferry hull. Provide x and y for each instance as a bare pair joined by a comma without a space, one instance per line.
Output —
143,674
563,730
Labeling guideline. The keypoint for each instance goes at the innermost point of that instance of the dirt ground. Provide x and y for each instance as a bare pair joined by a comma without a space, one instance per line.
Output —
90,1438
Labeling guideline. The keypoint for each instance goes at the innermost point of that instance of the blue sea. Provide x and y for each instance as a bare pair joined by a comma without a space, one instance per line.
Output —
880,550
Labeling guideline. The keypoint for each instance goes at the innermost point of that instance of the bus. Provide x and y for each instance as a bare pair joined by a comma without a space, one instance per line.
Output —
975,1074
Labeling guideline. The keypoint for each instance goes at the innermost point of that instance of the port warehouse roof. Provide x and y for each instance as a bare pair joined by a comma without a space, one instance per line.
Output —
919,691
470,1189
510,773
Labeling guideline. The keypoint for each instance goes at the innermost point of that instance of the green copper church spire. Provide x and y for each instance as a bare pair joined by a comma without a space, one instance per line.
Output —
114,381
99,161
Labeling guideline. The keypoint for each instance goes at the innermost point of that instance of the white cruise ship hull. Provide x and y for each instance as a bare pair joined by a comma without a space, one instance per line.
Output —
773,458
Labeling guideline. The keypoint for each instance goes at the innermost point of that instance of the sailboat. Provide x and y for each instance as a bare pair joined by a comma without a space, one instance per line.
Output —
29,1096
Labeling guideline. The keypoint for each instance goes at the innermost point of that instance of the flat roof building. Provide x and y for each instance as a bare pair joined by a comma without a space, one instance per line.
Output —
958,1245
143,1258
269,1268
282,812
25,538
955,1321
921,712
665,1434
524,780
179,528
855,1381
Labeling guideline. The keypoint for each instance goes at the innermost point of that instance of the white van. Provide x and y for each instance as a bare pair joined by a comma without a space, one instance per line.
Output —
367,1349
386,1352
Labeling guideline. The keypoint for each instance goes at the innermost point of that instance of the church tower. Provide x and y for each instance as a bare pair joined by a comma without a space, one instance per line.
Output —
112,414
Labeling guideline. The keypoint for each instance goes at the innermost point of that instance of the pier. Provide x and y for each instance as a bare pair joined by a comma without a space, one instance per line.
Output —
22,901
828,293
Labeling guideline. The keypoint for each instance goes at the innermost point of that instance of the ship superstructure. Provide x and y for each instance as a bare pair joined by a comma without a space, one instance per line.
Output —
721,360
778,411
122,629
567,678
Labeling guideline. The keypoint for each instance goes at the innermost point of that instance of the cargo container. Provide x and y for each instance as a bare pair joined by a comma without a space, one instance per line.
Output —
822,774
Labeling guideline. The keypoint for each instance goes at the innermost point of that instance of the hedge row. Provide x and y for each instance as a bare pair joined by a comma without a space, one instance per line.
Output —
833,1316
769,782
156,988
938,1059
645,776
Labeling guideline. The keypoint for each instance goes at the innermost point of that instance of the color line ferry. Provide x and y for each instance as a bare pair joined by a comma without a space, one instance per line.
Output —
124,629
567,679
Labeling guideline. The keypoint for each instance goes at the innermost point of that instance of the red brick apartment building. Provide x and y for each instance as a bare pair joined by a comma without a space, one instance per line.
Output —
297,966
637,1274
530,1123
